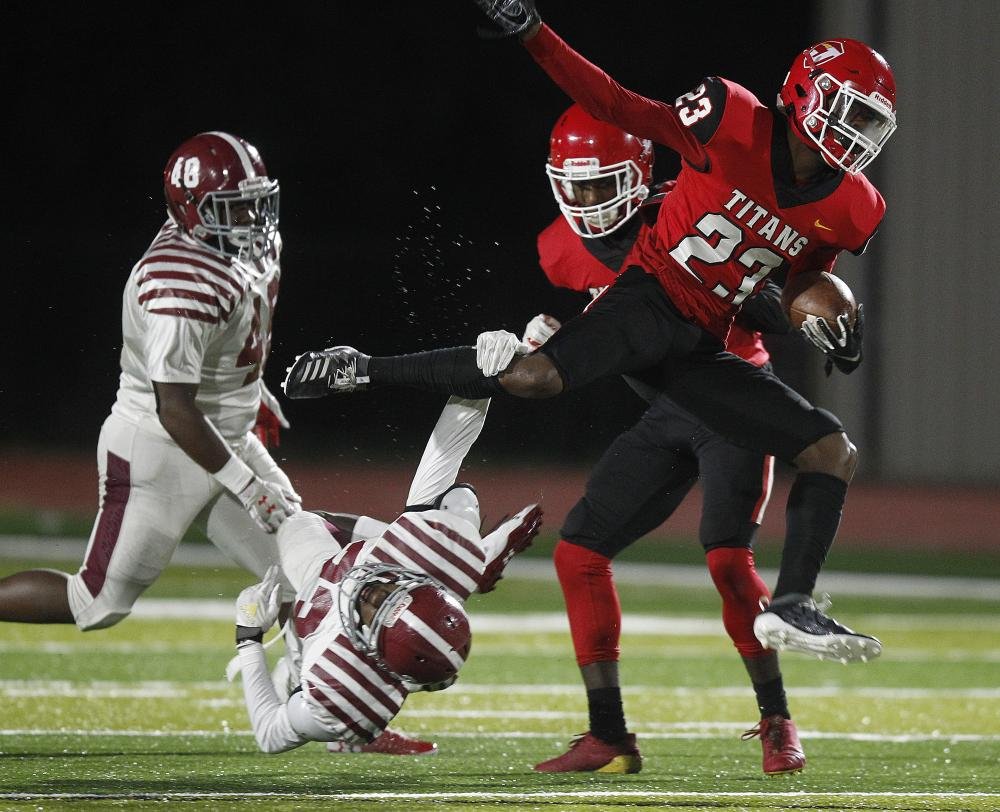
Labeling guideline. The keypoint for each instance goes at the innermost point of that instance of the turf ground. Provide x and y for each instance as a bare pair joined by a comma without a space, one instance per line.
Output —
139,715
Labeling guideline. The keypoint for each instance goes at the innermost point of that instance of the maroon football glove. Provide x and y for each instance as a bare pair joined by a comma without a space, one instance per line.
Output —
513,536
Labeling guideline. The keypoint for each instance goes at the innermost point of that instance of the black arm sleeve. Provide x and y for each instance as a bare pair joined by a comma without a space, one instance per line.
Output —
764,312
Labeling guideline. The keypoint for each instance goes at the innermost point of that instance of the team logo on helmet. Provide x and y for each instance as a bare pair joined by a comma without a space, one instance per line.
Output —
825,51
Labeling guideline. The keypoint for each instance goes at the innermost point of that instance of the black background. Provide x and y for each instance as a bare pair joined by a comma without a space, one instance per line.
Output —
411,159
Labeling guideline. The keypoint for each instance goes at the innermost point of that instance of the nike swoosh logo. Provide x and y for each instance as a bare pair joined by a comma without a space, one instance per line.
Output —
818,224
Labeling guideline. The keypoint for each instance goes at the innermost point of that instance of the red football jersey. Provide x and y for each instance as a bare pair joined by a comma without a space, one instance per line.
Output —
568,264
736,214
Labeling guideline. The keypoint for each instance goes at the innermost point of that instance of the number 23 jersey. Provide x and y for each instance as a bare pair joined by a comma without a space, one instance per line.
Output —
736,214
190,315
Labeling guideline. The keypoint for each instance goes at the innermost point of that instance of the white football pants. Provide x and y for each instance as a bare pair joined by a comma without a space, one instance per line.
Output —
150,494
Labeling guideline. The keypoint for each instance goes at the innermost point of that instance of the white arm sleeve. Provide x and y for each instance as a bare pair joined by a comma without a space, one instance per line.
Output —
269,718
457,429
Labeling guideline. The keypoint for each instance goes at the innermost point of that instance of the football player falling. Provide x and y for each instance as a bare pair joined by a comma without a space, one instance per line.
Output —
378,617
601,178
179,447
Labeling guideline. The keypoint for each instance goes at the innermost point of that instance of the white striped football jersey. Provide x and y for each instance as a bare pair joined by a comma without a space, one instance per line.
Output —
190,315
349,695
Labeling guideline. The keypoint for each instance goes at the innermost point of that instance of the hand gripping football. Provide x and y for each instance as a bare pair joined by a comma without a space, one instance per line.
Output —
820,294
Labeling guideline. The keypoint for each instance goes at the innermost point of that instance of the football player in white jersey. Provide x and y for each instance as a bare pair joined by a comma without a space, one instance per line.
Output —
178,448
382,617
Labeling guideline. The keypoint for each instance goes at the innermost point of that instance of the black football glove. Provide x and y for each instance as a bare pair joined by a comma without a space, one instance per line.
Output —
844,347
511,17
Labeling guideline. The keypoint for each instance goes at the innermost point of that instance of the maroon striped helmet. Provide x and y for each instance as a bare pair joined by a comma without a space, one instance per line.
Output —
218,192
419,633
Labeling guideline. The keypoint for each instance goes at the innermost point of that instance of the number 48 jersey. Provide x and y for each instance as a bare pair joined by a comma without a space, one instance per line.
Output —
190,315
736,215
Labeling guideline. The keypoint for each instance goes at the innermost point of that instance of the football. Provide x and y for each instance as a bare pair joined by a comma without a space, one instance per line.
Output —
818,293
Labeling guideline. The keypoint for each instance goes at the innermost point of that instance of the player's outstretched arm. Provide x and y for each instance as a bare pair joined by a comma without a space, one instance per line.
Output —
587,84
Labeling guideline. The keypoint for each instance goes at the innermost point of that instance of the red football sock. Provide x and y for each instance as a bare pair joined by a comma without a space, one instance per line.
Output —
595,615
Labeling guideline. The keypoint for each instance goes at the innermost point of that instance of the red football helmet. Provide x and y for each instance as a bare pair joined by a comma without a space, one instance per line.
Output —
420,633
218,192
840,97
583,150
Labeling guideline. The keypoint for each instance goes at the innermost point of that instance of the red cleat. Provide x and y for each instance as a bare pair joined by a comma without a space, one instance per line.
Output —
389,743
589,754
780,741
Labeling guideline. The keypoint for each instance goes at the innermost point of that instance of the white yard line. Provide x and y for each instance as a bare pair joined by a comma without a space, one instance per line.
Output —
682,575
498,797
717,732
169,689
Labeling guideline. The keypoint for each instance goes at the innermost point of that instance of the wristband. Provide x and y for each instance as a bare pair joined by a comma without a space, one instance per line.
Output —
234,475
246,634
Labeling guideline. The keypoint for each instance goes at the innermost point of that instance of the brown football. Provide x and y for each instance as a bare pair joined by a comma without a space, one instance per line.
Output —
818,293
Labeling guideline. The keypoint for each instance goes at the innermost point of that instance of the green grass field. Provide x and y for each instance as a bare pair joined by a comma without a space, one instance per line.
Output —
140,715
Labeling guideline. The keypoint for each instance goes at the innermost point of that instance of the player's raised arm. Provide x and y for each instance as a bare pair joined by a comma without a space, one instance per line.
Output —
591,87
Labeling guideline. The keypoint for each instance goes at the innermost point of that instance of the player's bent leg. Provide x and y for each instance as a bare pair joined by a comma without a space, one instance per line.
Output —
150,492
304,545
113,575
793,621
833,454
230,528
532,376
773,418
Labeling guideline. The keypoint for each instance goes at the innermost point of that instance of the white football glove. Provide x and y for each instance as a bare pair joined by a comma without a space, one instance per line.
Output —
257,606
539,330
268,504
495,350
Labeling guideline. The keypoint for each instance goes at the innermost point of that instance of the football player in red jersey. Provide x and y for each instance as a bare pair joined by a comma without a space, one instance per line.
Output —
761,192
601,179
180,446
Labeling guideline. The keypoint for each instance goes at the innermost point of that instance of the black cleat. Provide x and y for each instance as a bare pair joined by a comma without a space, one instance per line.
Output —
794,623
335,369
